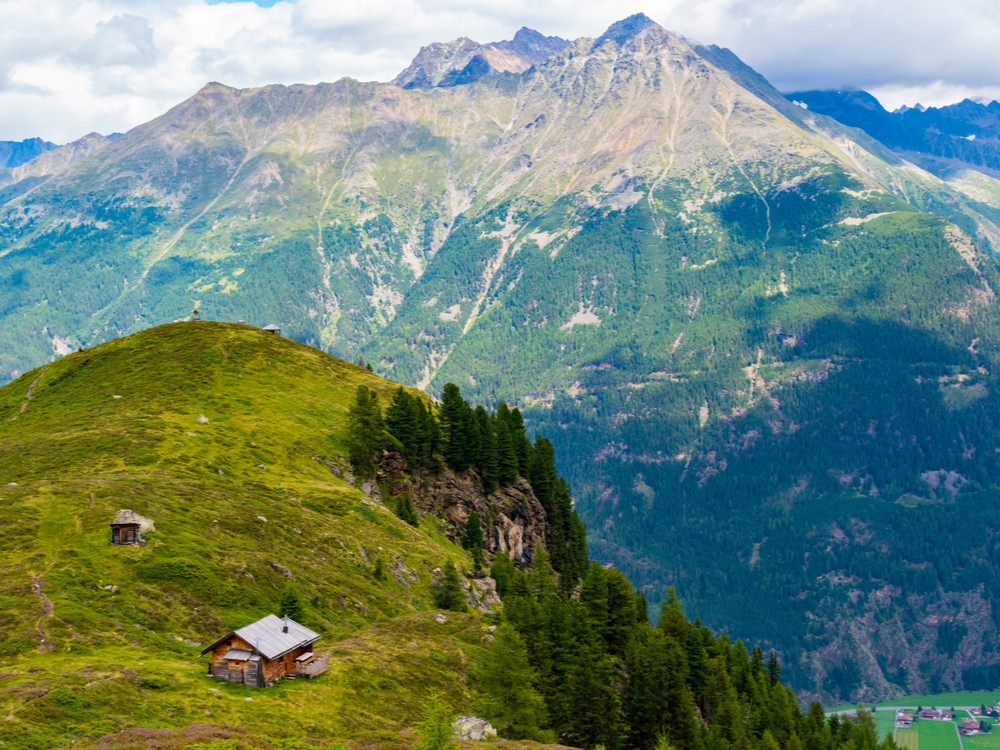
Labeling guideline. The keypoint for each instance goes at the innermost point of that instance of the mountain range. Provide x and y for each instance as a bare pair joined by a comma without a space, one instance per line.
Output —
762,342
963,134
16,153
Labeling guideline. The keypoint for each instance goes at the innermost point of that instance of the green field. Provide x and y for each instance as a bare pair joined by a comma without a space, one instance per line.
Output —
885,722
982,741
937,735
907,739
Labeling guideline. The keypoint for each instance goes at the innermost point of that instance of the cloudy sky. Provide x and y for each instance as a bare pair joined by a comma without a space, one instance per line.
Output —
69,67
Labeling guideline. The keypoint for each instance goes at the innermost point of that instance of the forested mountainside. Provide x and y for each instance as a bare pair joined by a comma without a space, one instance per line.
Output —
269,471
761,343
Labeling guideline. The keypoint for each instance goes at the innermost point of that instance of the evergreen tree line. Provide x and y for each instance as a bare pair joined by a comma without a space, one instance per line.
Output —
589,669
494,445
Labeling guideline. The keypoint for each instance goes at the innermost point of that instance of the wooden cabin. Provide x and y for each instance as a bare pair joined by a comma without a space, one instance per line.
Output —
128,526
265,651
272,328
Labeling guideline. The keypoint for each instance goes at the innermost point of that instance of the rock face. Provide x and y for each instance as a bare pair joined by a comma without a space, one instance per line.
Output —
513,520
472,728
480,591
464,61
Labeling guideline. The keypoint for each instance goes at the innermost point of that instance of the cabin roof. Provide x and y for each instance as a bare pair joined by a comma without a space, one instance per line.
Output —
241,654
271,327
268,638
127,517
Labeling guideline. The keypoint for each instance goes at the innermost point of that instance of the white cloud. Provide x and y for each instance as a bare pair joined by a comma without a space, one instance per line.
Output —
68,68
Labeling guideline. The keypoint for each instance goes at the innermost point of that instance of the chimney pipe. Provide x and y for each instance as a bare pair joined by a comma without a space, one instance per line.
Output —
284,628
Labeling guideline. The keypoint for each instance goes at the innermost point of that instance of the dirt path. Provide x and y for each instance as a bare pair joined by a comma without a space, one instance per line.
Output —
43,643
31,392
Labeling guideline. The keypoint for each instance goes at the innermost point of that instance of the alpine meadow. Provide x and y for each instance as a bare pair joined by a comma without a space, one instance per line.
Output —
680,396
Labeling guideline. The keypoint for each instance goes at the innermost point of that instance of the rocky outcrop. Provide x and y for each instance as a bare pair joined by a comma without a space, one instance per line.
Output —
472,728
479,589
513,520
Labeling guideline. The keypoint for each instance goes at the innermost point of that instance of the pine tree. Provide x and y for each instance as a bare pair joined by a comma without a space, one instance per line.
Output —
489,463
403,508
452,424
541,577
429,435
641,608
594,596
543,474
472,440
672,620
506,457
522,446
401,423
472,538
506,681
773,669
434,731
593,701
502,572
365,430
291,603
621,618
449,594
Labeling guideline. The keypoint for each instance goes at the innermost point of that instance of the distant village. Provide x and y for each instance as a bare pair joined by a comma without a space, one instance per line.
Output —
980,723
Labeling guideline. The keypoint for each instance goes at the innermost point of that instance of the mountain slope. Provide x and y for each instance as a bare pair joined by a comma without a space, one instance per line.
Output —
224,435
742,321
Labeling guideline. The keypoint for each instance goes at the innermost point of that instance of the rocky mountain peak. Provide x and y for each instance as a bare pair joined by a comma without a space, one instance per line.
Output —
464,60
621,31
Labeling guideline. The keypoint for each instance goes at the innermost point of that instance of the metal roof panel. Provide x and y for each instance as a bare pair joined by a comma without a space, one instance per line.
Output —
271,641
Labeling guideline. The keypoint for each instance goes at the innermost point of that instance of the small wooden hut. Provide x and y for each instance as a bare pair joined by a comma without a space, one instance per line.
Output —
128,526
265,651
272,328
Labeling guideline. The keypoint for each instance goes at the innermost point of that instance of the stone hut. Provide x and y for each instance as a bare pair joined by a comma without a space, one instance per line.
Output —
128,526
265,651
272,328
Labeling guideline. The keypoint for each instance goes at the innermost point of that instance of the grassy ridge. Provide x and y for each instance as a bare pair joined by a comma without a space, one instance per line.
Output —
244,504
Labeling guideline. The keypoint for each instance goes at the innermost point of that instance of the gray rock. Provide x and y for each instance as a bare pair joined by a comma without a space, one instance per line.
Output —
472,728
370,488
202,419
279,568
440,619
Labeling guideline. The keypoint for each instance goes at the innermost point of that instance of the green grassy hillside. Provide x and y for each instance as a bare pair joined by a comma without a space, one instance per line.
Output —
99,638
